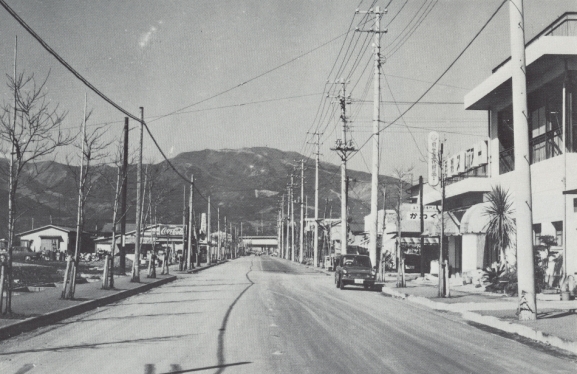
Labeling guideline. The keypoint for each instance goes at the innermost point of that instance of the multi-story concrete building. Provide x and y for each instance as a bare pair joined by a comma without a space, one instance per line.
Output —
551,63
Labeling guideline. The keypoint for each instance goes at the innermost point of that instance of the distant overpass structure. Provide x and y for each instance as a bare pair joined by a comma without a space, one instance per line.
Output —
266,244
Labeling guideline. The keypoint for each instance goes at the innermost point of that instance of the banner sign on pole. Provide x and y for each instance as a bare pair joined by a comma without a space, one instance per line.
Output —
433,165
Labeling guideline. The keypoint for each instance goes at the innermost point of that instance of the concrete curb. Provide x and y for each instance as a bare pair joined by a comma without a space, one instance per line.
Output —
33,323
490,321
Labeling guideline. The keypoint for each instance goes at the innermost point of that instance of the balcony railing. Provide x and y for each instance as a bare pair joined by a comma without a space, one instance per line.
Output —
542,147
546,145
507,161
479,171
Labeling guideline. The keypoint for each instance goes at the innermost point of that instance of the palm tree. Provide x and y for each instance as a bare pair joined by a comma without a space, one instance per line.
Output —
501,226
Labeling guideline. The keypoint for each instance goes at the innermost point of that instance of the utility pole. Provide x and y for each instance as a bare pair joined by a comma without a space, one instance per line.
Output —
525,262
422,226
301,244
443,264
208,238
218,227
343,148
288,210
189,264
136,262
282,232
316,234
224,249
181,264
373,226
292,219
307,246
123,194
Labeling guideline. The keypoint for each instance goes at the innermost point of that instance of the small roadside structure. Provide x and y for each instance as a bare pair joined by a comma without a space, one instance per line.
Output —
55,239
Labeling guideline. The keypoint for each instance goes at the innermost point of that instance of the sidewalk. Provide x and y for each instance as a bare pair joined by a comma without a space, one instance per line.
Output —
556,323
41,306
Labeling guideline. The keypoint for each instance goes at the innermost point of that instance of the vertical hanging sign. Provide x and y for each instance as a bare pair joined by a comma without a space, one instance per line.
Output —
433,164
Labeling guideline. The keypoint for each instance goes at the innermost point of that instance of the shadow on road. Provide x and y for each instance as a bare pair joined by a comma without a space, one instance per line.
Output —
97,345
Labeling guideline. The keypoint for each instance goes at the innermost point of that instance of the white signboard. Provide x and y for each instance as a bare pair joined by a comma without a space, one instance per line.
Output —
433,151
430,213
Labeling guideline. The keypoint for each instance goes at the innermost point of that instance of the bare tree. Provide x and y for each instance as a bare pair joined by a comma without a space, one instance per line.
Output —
402,181
30,130
93,149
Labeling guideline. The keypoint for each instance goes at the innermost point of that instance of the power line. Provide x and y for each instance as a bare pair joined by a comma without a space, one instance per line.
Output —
446,70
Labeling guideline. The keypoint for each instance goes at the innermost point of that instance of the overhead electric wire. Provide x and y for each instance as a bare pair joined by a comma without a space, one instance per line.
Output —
399,109
408,24
404,40
444,72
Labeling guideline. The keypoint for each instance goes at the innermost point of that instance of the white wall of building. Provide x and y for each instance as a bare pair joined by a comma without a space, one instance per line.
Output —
35,239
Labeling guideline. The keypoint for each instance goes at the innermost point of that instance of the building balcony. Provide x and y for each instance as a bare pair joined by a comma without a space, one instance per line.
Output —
541,147
477,172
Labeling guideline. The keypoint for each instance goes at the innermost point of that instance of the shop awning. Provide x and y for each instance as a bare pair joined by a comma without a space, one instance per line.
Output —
475,219
412,240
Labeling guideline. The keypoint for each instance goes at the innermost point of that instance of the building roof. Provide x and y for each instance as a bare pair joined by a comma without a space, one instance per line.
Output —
107,228
547,49
61,228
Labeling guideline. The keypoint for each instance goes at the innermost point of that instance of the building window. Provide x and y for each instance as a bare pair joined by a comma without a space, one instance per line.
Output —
537,233
558,232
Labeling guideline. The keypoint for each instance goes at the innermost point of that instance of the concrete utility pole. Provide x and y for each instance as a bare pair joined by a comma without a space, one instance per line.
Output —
208,239
136,262
224,249
307,243
373,225
301,244
316,234
218,228
344,147
189,264
522,189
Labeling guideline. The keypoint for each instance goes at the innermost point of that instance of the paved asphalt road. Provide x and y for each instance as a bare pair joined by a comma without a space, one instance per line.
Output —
265,315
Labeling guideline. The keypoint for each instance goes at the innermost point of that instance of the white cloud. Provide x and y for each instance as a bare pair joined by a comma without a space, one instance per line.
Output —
147,37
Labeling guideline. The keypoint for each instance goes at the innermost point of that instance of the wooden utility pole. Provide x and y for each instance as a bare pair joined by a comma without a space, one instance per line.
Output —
122,259
373,225
422,239
343,148
523,208
189,264
136,263
288,210
282,231
292,200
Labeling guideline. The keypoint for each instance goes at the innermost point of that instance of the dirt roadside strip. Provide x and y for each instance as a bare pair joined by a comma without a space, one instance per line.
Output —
490,321
58,315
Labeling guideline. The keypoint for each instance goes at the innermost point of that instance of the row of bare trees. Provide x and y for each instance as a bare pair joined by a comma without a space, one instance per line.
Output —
31,131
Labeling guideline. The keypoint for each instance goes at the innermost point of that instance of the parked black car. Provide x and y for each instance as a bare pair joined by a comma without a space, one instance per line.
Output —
355,270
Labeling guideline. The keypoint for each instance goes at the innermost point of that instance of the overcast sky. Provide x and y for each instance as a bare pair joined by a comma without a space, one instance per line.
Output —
168,55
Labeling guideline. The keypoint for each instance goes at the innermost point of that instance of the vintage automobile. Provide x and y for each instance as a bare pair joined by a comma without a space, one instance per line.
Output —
355,270
21,254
